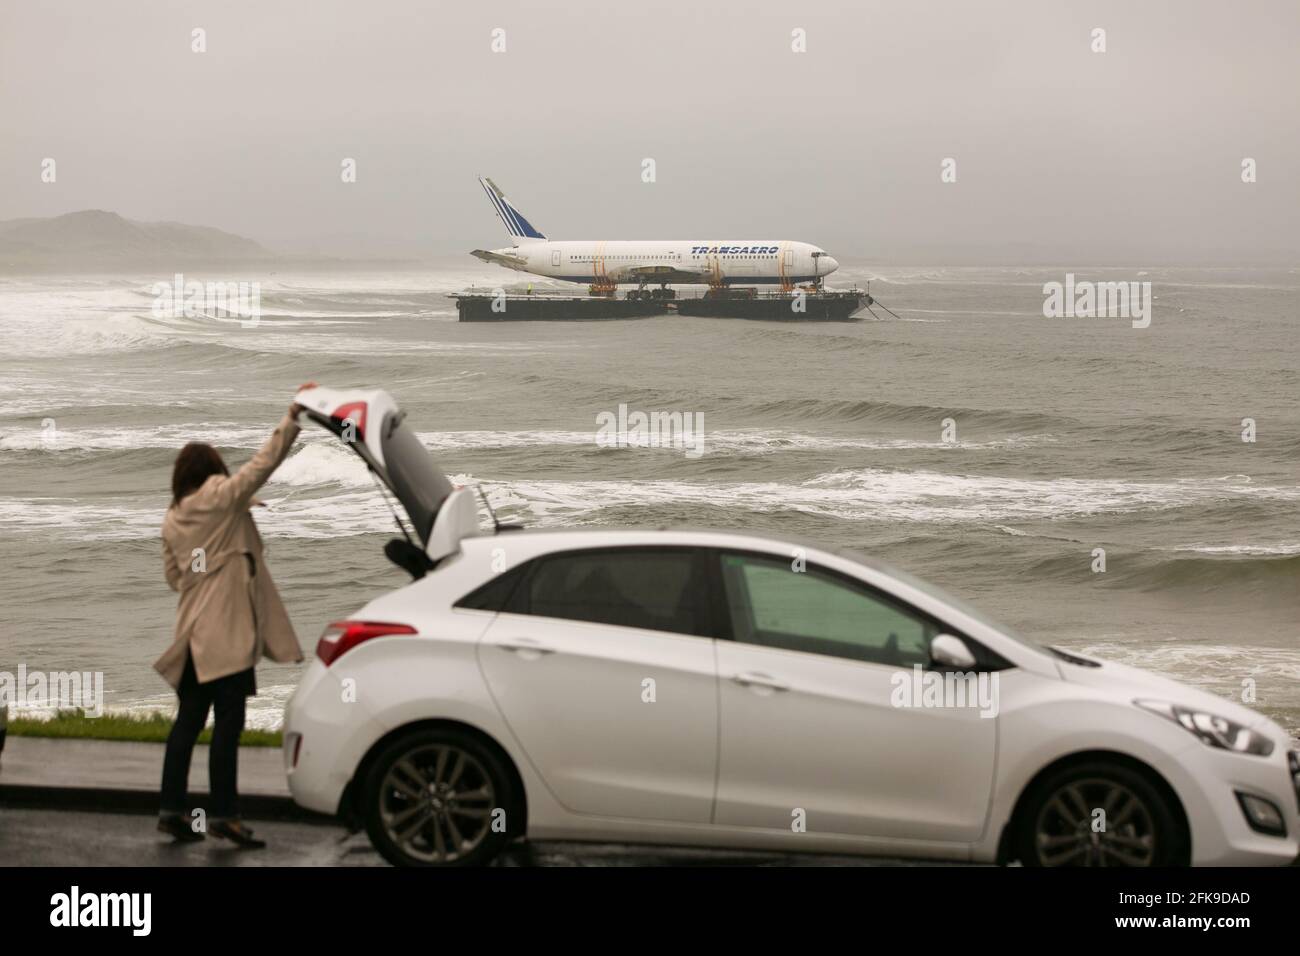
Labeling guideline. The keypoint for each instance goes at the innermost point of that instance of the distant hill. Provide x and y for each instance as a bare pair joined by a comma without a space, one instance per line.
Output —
96,237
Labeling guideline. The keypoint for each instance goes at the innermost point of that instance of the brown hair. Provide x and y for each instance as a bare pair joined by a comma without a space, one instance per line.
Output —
196,463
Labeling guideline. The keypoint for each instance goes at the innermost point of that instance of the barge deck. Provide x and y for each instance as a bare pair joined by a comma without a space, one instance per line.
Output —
800,305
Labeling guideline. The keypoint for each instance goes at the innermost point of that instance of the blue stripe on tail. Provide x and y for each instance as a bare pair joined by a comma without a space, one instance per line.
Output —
511,228
524,224
512,218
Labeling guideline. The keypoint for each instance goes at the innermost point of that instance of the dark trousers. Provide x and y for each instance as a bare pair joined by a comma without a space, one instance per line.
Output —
226,696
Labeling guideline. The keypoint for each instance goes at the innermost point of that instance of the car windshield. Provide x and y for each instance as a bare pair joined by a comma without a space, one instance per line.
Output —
413,476
939,593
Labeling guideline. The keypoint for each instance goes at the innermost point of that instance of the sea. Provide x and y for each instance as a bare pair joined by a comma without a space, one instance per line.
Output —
1127,492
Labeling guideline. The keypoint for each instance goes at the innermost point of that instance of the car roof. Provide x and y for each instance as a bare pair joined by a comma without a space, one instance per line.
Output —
688,532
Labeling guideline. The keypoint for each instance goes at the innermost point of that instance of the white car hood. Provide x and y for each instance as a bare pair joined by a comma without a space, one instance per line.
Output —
1137,684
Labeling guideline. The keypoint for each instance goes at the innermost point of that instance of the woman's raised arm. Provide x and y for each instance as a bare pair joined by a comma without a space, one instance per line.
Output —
240,487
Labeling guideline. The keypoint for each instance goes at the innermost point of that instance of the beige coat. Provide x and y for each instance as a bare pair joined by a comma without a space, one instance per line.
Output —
229,614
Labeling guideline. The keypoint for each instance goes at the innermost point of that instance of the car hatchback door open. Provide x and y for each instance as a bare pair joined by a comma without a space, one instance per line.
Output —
373,426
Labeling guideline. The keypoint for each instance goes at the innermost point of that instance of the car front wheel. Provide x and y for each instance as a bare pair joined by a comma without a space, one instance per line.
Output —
1099,814
438,797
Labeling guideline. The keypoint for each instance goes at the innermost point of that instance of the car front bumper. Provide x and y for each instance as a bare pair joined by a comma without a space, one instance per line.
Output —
1209,782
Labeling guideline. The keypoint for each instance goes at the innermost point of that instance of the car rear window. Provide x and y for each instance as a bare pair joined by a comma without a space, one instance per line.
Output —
415,480
656,589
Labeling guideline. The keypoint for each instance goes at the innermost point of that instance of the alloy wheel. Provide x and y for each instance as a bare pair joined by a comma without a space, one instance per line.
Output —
436,802
1069,830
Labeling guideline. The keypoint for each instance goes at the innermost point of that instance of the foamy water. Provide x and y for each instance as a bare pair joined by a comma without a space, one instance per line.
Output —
1069,437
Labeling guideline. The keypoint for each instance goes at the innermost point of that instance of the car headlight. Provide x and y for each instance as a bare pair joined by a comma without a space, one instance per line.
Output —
1212,729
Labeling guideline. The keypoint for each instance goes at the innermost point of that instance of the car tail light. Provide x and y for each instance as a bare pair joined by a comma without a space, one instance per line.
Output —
341,636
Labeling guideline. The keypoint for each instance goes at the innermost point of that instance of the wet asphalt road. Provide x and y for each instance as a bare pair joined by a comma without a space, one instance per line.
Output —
71,838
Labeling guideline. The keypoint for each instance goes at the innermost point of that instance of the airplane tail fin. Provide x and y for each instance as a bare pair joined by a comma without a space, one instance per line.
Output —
515,223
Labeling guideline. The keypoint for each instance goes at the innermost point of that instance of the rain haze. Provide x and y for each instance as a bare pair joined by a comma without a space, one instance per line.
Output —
1000,294
1062,154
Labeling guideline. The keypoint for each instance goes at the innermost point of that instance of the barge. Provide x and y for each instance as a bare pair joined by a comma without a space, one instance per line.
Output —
799,305
489,307
796,306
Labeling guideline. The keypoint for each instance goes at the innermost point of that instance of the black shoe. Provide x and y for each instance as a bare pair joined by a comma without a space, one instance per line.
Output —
174,825
236,832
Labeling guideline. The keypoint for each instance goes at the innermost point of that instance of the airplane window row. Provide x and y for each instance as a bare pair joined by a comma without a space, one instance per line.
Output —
573,258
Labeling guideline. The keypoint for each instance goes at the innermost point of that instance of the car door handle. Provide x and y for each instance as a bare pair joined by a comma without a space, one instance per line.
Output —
754,679
525,646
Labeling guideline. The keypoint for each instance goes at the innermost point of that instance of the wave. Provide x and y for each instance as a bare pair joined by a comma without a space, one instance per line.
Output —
860,410
1273,571
1211,572
172,437
88,319
813,410
1232,549
236,435
65,336
323,490
877,495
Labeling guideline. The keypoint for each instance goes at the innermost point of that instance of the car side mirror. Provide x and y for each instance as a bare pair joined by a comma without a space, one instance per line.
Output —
949,651
408,557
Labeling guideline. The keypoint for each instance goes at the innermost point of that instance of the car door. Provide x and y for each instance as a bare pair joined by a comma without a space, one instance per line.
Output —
813,727
602,664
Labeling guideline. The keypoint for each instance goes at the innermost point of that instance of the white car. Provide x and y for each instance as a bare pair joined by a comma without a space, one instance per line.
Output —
714,688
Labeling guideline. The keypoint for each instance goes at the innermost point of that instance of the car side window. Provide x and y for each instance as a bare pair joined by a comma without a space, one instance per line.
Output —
817,612
658,589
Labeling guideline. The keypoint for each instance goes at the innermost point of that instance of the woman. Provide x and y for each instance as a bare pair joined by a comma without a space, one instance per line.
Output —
229,616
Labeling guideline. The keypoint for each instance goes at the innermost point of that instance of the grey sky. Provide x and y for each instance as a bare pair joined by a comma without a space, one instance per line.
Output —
1133,155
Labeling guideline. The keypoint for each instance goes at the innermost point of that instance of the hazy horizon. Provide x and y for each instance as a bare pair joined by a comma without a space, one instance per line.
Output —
1063,155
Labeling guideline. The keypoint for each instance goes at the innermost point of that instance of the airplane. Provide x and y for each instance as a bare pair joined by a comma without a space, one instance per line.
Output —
605,264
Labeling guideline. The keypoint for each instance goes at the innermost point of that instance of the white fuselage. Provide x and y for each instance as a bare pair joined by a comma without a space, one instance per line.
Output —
703,261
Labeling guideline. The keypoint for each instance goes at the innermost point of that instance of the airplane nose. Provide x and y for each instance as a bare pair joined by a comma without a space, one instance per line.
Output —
830,264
